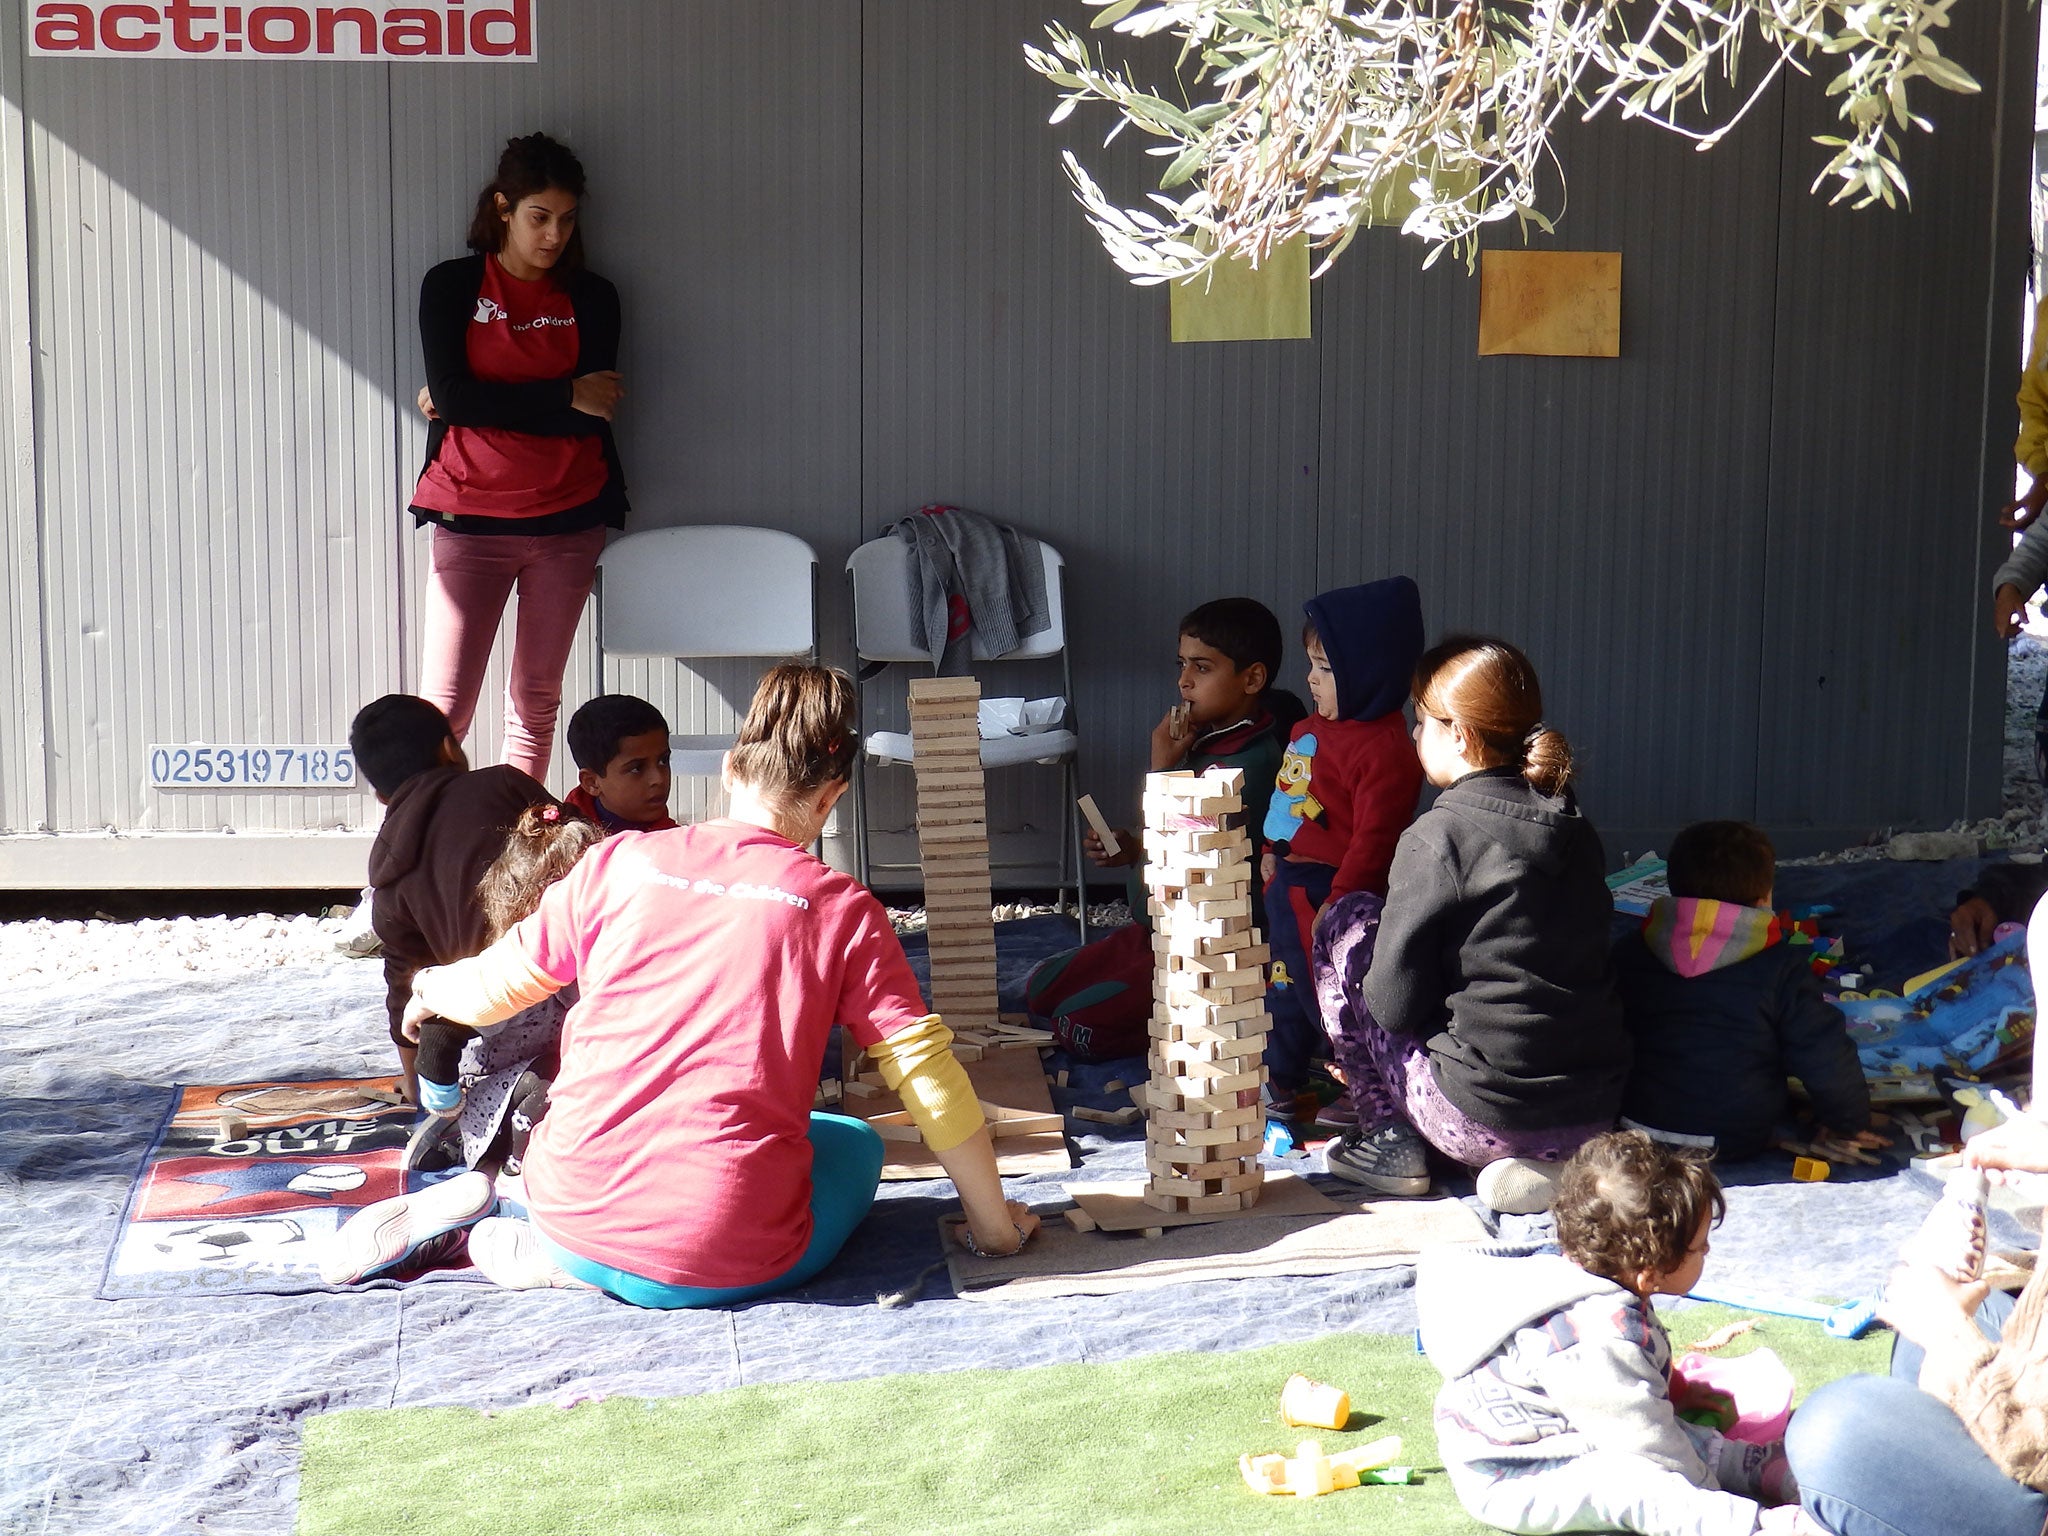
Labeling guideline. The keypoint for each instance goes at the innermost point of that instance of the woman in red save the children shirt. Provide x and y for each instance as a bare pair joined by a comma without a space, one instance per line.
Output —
680,1163
521,344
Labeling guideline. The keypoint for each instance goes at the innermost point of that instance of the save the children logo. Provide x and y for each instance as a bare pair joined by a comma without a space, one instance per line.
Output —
488,310
180,29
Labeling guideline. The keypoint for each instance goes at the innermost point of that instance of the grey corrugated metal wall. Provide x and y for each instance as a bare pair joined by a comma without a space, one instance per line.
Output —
855,282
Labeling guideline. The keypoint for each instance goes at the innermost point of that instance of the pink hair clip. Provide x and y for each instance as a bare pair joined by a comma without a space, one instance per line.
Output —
551,814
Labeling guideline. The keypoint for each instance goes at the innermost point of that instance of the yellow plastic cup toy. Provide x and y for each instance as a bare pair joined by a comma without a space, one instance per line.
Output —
1311,1403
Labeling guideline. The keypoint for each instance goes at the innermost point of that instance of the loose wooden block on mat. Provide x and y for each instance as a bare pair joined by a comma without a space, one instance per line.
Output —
1013,1079
1066,1261
1121,1207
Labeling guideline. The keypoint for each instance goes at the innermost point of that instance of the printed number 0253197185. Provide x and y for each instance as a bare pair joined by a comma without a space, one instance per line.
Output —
209,765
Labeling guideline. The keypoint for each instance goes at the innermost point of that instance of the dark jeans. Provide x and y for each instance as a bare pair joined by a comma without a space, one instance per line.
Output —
1876,1456
1293,897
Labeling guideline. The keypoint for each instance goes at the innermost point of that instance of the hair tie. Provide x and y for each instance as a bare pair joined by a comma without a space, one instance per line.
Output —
1534,731
551,814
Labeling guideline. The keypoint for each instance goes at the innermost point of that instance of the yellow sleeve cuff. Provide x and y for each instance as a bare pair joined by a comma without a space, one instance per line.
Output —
917,1064
486,988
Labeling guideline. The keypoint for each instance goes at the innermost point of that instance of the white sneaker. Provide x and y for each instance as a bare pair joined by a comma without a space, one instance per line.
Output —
358,939
508,1253
379,1235
1519,1186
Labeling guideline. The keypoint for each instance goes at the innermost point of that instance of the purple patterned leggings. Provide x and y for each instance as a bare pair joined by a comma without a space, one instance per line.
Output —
1390,1076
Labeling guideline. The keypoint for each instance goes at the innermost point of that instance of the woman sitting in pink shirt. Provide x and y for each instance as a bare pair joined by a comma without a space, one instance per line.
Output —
680,1163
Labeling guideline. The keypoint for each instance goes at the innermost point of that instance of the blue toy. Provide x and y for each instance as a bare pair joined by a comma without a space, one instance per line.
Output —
1848,1320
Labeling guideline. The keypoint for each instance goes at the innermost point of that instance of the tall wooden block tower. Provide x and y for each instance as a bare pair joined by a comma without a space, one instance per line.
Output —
952,841
1203,1124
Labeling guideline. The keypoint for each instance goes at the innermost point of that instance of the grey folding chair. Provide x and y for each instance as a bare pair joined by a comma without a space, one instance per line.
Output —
714,591
884,595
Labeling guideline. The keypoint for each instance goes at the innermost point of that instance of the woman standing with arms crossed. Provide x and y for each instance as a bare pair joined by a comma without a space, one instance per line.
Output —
521,343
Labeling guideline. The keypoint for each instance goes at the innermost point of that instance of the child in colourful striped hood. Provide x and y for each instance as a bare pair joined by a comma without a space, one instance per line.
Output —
1722,1012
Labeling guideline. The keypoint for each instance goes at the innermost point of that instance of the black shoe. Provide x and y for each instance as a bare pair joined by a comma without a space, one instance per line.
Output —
429,1150
1393,1160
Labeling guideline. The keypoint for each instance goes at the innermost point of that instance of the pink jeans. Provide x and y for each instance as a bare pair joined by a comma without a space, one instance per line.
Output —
470,575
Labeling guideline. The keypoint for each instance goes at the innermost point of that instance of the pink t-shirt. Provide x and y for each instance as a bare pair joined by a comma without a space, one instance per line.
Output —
713,961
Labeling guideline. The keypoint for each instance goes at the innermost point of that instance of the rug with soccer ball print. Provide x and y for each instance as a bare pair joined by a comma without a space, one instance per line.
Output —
245,1181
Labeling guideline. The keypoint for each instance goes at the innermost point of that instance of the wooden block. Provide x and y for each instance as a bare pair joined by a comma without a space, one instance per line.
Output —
1104,833
1191,1097
1019,1122
951,813
1079,1220
1216,1055
1215,1205
1191,1168
1027,1033
896,1126
973,834
923,688
1237,1184
1103,1116
856,1089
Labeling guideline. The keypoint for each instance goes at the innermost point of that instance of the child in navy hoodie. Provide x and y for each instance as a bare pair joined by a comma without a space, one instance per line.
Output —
1346,789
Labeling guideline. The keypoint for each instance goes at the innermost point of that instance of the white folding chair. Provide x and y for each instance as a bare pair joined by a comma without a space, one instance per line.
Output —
884,599
714,591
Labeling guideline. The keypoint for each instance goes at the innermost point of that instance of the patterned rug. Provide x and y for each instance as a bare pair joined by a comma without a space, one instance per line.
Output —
244,1180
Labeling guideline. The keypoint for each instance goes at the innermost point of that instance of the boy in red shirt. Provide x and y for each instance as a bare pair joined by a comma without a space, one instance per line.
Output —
1346,789
620,746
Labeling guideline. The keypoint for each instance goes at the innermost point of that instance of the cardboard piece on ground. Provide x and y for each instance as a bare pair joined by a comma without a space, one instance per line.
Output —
1232,302
1550,303
1059,1261
1013,1079
1122,1208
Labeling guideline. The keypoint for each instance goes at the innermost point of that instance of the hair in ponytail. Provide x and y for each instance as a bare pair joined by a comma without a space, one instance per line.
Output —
798,735
1488,686
530,164
544,845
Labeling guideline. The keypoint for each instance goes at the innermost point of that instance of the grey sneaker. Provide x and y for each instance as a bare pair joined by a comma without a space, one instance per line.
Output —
1519,1186
1393,1160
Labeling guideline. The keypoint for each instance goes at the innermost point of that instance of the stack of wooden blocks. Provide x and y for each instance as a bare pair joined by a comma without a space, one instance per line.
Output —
1203,1124
952,840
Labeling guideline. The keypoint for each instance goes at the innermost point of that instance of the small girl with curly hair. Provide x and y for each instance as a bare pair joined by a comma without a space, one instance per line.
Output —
1556,1411
492,1084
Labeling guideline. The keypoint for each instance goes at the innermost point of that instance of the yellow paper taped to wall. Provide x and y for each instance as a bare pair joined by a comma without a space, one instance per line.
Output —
1550,303
1234,302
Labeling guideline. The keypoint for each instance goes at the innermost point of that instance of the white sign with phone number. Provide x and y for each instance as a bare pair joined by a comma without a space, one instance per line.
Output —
216,765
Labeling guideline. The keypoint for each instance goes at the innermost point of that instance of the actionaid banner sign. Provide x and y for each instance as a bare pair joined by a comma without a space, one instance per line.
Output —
481,34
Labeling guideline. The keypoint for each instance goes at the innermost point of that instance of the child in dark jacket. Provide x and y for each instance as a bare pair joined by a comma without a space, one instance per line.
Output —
1722,1013
1345,790
1483,1020
444,825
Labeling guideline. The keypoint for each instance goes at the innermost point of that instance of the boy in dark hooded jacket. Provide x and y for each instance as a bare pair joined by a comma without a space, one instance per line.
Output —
1722,1012
1346,789
444,825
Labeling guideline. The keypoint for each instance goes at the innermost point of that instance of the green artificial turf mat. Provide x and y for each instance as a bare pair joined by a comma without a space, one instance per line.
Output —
1136,1446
